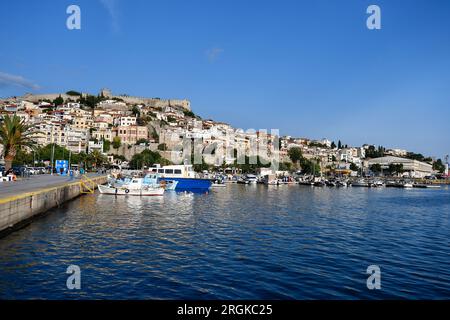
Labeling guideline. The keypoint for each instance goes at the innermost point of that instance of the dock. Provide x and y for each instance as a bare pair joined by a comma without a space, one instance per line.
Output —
24,200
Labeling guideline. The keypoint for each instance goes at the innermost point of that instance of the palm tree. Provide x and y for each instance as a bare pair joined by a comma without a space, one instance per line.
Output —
14,134
97,158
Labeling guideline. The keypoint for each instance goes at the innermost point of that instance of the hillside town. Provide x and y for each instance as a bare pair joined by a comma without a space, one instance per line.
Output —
121,130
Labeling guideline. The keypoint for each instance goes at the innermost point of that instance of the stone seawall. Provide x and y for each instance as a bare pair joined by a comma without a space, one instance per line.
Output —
19,210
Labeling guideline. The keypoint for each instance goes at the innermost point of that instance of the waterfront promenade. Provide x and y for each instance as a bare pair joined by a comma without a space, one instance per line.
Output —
23,200
35,183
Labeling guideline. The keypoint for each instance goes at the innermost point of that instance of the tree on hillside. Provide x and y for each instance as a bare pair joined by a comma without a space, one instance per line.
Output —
58,101
333,145
73,93
339,144
136,112
146,158
162,147
117,142
14,134
295,154
106,145
439,166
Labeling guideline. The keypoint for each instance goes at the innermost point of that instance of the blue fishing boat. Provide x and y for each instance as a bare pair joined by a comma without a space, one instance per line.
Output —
184,175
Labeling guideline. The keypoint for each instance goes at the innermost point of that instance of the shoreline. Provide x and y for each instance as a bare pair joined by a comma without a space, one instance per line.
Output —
18,211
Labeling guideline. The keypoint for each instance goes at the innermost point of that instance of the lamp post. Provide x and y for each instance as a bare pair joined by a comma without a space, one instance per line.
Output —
53,157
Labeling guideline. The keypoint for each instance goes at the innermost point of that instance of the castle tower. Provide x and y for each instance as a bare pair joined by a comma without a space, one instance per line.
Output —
105,92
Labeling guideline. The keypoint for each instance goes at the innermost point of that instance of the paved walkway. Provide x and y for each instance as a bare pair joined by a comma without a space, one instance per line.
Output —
35,183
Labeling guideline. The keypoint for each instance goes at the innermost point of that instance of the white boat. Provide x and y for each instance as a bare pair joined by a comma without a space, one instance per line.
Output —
252,179
135,187
360,183
408,185
218,185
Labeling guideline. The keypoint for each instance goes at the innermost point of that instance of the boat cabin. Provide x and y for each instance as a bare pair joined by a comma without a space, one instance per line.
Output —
174,171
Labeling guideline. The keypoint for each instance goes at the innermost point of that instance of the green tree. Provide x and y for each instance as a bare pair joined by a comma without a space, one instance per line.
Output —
339,144
439,166
136,112
353,167
395,168
96,158
14,134
295,154
333,145
376,168
146,158
58,101
117,142
73,93
310,166
162,147
106,145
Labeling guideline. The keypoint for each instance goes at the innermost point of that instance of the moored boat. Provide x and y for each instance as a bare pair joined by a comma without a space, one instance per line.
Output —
135,187
360,183
184,175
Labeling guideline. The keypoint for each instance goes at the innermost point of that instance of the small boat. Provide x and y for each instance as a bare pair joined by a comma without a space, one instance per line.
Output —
319,183
408,185
218,185
376,184
252,179
185,176
425,185
136,187
341,183
360,183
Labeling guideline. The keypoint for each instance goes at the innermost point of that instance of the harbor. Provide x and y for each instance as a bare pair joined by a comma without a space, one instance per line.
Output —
237,242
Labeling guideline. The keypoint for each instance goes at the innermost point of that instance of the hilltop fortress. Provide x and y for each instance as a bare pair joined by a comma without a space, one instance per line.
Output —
150,102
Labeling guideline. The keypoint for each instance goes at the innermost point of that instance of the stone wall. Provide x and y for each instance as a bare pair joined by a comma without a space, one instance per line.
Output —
20,210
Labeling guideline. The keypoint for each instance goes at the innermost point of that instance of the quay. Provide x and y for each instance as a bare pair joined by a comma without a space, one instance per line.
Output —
26,199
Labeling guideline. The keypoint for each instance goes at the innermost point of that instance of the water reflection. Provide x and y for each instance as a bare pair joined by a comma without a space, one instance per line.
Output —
236,242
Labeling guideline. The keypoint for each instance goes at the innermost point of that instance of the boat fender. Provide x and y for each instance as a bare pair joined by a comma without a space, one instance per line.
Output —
127,190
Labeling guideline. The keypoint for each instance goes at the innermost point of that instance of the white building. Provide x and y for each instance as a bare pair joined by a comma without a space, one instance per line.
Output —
412,168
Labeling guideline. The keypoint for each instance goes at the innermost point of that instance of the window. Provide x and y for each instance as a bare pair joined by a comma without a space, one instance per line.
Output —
160,170
177,171
169,171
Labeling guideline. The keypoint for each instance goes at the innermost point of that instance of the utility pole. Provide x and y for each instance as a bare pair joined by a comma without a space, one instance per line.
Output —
53,157
446,169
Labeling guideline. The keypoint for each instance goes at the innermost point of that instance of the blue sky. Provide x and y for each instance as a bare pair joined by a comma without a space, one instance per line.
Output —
309,68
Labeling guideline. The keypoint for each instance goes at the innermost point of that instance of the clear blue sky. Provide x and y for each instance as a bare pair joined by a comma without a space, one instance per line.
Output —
309,68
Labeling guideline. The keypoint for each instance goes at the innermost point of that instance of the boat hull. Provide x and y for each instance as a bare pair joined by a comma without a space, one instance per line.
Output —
130,192
187,184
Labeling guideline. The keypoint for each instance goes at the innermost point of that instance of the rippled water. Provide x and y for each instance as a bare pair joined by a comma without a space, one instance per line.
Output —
242,242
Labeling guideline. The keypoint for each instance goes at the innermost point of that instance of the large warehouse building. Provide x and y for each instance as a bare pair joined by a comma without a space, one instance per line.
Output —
413,168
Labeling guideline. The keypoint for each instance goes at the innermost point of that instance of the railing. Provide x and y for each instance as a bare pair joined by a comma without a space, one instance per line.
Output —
87,185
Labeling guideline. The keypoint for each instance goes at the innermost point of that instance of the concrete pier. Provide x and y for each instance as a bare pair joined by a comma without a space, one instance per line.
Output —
19,208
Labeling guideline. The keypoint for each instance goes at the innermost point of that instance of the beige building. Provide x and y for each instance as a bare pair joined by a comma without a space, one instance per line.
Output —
131,134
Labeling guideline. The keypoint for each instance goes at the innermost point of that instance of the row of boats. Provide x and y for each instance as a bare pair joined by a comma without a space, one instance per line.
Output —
155,181
367,183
